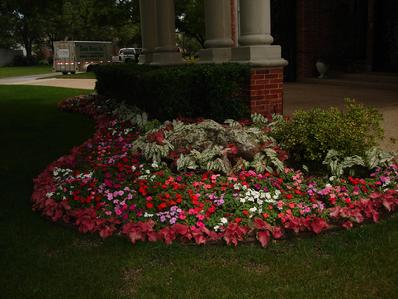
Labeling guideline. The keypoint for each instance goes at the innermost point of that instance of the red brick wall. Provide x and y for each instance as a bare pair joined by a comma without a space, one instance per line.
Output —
266,90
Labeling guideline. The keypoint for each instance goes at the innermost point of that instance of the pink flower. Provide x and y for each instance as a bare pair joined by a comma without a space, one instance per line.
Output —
200,224
192,211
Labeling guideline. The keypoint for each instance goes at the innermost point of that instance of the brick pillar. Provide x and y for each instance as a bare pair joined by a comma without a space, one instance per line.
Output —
266,90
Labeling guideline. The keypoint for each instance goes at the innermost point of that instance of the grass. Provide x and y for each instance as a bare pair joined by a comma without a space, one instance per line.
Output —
45,260
16,71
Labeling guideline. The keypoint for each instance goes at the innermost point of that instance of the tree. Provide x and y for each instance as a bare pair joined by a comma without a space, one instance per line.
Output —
190,19
95,20
7,39
34,22
26,20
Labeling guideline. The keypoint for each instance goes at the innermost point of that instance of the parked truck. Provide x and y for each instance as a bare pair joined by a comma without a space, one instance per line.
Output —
73,56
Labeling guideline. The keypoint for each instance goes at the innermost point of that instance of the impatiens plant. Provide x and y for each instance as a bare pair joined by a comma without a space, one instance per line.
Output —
125,180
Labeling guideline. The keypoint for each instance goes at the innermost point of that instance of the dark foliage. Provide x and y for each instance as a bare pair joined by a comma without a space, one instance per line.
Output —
218,92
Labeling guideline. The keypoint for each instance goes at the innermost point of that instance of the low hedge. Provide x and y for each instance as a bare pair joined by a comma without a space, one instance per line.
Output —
218,92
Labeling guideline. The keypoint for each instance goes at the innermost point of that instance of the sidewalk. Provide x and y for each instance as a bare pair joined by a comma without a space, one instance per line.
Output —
44,80
68,83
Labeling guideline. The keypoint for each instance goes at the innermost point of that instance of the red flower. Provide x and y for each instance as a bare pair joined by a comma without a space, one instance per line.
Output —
143,190
162,206
289,196
149,205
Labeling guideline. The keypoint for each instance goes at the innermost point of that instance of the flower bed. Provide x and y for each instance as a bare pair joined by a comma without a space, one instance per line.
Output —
107,186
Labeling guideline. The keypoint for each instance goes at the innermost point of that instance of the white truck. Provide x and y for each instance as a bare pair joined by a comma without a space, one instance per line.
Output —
73,56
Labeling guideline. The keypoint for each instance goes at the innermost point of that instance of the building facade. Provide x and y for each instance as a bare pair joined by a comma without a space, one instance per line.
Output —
348,35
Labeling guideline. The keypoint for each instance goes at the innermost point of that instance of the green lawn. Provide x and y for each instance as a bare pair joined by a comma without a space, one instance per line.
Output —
40,259
16,71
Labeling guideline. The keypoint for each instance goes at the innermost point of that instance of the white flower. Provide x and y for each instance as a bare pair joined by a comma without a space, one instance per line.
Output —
254,193
216,228
253,210
154,165
224,220
268,195
260,202
133,168
49,194
249,198
147,215
242,200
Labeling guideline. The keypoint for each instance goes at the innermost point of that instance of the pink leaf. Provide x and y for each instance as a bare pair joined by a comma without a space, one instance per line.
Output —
277,232
347,224
180,229
388,203
135,235
263,237
153,236
168,235
318,225
106,232
261,224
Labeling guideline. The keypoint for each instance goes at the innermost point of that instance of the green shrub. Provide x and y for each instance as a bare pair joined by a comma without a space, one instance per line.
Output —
218,92
309,135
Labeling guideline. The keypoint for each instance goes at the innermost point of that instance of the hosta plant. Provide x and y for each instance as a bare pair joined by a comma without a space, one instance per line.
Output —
339,165
211,146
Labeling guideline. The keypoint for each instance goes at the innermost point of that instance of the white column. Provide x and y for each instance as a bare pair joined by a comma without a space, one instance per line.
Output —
166,50
255,36
218,32
148,30
255,26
